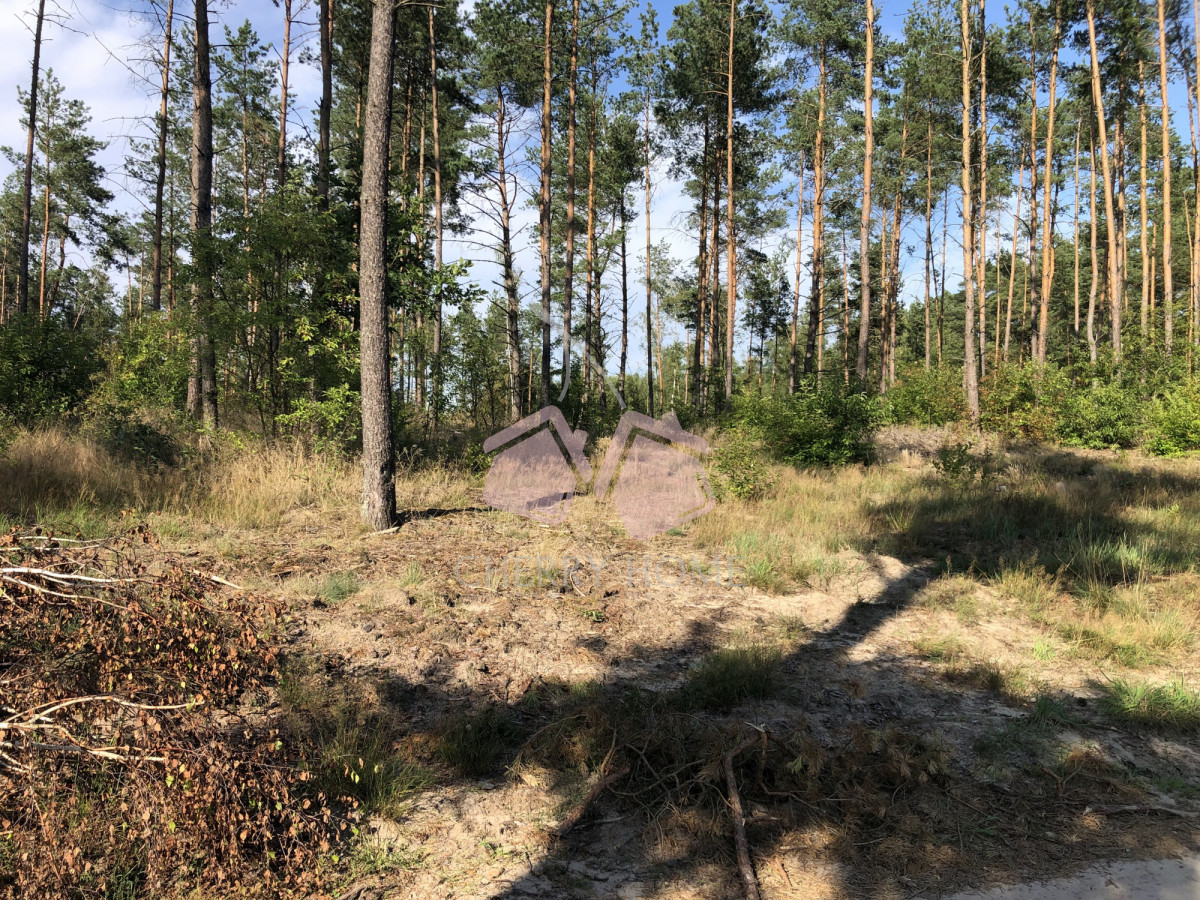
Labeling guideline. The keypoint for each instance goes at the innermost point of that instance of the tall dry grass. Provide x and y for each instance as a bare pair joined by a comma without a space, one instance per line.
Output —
51,474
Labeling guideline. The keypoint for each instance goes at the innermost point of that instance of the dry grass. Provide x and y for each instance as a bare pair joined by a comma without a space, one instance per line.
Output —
53,476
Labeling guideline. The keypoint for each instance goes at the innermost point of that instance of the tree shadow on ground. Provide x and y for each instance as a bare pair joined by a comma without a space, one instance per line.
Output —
854,773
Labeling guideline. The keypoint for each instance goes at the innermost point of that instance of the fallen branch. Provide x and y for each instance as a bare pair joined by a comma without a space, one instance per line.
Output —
217,579
749,879
1139,808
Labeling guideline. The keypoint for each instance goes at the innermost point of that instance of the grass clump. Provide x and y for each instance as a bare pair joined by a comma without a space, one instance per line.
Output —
1169,707
728,676
340,586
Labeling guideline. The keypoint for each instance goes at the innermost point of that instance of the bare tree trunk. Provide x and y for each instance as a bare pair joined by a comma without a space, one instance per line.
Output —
970,372
1143,243
796,296
1047,235
1168,286
27,189
864,233
812,350
701,275
1012,263
435,399
624,298
506,260
715,279
1114,285
202,175
285,57
379,468
544,203
45,225
730,234
569,253
588,345
981,260
929,230
161,168
1078,129
1095,251
325,25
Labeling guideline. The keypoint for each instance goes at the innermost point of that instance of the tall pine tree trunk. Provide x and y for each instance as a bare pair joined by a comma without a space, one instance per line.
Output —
27,188
1047,235
202,177
511,292
929,230
796,296
1114,283
325,25
160,179
379,472
970,372
569,253
544,202
435,399
1094,226
1143,237
1168,286
812,352
730,234
864,232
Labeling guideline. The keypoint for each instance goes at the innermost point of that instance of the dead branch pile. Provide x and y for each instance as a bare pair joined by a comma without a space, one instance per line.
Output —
132,760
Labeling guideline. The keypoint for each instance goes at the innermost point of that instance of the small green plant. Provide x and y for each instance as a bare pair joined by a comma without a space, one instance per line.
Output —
1044,650
339,586
740,466
959,466
726,677
946,649
413,576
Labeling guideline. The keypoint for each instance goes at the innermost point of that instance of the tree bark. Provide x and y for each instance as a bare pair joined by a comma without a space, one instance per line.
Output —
929,229
1168,286
864,233
649,320
506,260
1047,235
435,399
325,25
1114,286
796,296
817,291
285,56
27,188
161,167
1143,242
202,176
569,253
1093,227
544,204
730,236
379,473
970,372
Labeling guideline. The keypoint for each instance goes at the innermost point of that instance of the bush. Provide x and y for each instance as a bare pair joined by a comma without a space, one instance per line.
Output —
920,397
1019,401
740,467
1100,416
825,425
1173,422
46,368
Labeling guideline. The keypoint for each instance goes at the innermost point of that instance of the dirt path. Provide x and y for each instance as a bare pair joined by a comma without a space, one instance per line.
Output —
1151,879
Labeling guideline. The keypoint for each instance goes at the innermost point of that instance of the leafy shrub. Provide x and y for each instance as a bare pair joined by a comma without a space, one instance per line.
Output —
1102,415
1173,422
46,368
740,467
1019,401
825,425
958,465
920,397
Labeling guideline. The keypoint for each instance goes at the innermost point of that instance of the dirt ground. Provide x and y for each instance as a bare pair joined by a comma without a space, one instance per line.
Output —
450,616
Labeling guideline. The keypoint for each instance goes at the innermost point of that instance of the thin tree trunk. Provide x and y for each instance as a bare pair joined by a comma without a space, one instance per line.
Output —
701,275
161,167
981,261
1012,264
325,25
1047,235
1095,251
1114,286
45,225
588,345
624,297
27,189
379,472
864,233
796,296
929,230
970,372
817,292
1078,129
1168,286
730,234
544,204
506,259
1143,238
435,399
285,56
649,320
569,253
202,176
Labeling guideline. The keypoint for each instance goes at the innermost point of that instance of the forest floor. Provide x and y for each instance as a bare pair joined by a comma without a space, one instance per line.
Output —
918,679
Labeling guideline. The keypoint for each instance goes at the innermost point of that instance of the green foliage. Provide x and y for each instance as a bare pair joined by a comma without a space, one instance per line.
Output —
959,466
1015,401
1173,421
740,467
147,368
334,420
933,397
1171,707
1101,415
46,368
820,425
